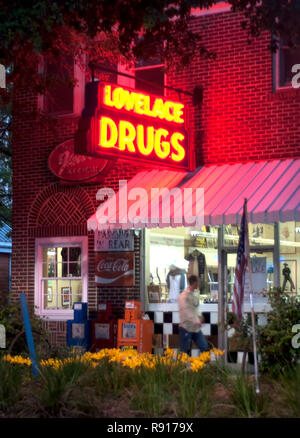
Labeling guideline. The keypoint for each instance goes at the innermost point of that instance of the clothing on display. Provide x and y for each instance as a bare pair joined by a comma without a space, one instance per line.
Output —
198,267
176,282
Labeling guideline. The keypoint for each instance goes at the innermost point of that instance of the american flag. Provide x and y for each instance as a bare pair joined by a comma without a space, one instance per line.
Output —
241,266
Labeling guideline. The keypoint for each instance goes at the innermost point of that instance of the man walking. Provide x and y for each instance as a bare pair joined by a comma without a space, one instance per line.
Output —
190,320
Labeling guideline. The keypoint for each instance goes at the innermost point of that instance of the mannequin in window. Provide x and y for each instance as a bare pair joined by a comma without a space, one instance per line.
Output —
198,267
176,282
270,272
286,272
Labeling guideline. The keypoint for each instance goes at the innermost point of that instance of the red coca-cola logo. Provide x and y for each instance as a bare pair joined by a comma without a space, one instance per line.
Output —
68,166
114,269
119,265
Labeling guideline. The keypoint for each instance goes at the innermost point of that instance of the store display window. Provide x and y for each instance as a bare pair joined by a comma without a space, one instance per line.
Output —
172,254
176,253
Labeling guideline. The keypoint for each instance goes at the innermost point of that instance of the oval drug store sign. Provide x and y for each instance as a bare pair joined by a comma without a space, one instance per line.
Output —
114,258
123,123
71,167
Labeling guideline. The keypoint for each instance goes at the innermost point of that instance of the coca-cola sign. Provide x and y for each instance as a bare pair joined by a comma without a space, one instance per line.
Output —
68,166
114,269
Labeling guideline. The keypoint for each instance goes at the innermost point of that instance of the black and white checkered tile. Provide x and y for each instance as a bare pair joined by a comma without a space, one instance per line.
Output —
237,357
167,324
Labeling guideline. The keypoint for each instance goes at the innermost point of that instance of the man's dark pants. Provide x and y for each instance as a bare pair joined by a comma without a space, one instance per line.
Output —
186,339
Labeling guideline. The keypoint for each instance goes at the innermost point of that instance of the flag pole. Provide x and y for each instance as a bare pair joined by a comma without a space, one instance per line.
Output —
251,303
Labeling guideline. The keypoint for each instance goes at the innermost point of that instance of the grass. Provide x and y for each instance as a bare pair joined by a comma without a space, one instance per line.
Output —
170,392
247,402
11,377
289,387
152,390
219,372
57,385
111,378
193,395
66,391
150,400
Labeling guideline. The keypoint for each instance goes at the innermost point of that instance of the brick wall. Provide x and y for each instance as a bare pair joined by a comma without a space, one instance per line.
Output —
240,119
4,275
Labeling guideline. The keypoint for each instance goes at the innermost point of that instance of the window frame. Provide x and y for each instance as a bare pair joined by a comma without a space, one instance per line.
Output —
44,242
78,92
151,67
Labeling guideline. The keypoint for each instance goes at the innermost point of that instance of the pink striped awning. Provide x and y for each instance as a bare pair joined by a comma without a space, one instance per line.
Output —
271,187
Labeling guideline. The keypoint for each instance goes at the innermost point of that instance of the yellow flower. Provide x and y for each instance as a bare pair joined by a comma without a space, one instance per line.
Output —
217,352
129,358
205,356
196,365
17,360
183,357
169,352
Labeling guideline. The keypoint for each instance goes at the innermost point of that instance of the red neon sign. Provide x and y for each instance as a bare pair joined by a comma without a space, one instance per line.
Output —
134,125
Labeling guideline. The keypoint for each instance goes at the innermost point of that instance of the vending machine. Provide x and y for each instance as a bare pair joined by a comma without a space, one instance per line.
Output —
134,331
104,328
78,329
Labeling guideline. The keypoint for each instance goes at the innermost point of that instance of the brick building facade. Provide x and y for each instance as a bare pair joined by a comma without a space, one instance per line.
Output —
243,117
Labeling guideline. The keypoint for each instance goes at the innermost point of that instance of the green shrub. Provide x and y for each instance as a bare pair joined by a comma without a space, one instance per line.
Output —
11,318
275,338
